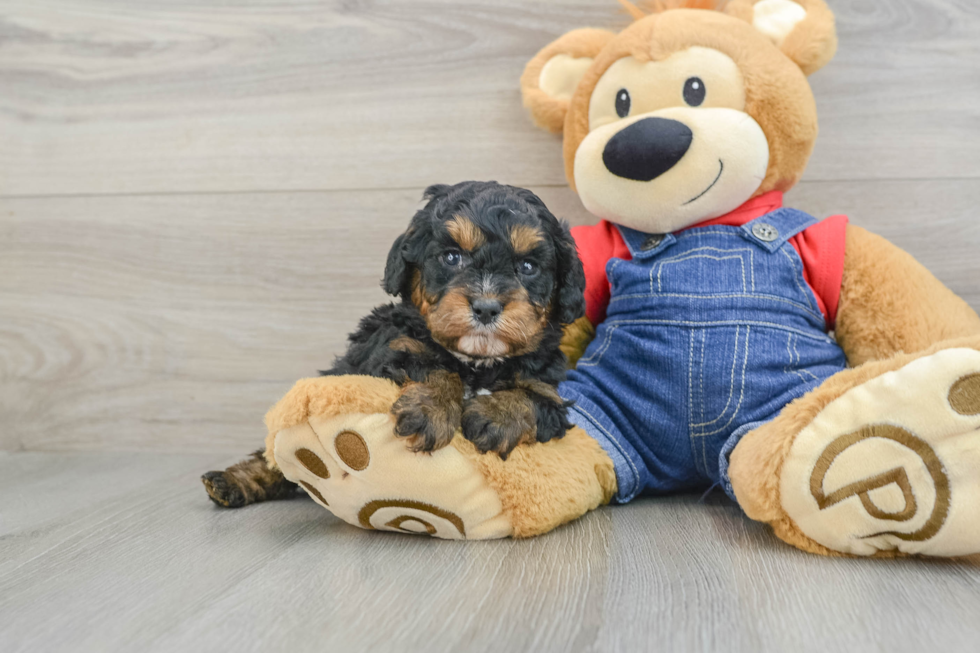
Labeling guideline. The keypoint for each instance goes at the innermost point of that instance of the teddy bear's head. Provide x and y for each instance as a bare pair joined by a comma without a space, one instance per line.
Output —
688,112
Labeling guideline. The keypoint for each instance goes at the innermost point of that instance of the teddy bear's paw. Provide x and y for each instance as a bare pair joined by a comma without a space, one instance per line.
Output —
355,466
893,464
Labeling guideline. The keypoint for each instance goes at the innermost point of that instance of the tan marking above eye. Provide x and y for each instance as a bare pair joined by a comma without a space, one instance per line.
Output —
466,234
656,85
524,238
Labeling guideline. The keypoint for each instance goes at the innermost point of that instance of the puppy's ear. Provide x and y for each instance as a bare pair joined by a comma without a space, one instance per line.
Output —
397,269
570,304
435,191
407,248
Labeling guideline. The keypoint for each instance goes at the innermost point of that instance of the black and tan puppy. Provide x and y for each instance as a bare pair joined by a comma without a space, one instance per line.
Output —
487,277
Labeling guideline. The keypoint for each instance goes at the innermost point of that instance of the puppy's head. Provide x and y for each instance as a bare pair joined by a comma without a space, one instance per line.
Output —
490,269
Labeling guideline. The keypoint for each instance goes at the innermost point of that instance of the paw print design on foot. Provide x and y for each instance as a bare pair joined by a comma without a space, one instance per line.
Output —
350,461
893,464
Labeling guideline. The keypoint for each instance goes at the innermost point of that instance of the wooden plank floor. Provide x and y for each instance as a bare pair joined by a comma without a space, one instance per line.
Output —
144,564
195,202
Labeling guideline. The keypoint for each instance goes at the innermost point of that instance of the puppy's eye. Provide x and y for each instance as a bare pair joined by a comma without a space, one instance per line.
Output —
622,103
694,91
527,268
452,259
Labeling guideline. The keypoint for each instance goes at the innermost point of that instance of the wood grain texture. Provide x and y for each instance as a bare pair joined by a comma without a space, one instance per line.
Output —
158,568
174,322
196,198
130,96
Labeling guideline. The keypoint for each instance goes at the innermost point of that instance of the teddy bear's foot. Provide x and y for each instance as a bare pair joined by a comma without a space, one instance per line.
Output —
356,467
335,437
892,465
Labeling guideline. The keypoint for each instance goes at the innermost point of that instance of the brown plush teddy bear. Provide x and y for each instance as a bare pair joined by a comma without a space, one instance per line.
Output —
821,376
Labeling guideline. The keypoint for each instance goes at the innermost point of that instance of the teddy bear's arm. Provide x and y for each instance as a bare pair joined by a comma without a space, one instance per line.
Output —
575,339
891,303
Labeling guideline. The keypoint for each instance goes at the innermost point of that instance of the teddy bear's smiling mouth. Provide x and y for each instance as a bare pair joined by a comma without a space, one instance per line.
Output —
721,169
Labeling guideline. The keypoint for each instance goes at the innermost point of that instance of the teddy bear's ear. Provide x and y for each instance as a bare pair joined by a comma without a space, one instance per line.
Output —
551,77
803,29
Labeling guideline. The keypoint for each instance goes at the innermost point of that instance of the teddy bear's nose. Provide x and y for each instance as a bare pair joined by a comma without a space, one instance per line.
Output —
647,149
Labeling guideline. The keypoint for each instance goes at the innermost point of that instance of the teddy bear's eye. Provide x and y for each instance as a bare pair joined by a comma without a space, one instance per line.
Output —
694,91
622,103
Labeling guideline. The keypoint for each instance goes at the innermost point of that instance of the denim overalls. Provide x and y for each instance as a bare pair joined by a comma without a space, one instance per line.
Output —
708,334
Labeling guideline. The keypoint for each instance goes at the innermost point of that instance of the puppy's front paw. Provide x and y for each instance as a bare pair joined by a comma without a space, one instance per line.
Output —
499,421
552,420
419,415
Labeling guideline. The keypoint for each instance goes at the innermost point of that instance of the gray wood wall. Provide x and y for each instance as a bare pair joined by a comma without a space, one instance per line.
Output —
196,196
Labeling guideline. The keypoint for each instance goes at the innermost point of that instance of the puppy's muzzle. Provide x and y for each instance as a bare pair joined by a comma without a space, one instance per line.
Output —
647,149
486,310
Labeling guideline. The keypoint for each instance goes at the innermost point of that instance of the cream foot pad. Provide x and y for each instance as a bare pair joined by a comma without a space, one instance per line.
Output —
894,463
356,467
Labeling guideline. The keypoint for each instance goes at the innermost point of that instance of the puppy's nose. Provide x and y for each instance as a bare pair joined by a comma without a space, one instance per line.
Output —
647,149
486,310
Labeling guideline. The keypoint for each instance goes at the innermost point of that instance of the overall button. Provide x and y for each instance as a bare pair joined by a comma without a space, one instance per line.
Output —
765,232
652,242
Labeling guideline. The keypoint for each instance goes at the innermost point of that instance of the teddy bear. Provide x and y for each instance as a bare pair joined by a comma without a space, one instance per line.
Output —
817,374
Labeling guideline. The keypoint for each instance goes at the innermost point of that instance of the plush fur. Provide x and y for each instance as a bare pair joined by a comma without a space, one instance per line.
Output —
892,312
544,486
757,462
487,277
576,338
890,303
777,94
475,247
540,486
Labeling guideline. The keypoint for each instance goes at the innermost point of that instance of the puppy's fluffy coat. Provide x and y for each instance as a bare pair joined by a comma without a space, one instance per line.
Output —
487,277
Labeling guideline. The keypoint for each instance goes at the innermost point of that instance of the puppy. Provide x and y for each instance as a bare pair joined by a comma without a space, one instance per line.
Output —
487,277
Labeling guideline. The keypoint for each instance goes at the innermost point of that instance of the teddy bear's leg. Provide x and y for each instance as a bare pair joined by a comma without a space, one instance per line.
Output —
882,459
334,436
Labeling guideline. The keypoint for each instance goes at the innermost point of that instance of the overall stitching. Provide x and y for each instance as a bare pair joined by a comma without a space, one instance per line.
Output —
817,316
693,254
797,264
741,397
771,325
731,386
596,357
626,386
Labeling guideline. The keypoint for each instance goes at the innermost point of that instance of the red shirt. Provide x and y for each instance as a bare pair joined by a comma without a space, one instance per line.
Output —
821,248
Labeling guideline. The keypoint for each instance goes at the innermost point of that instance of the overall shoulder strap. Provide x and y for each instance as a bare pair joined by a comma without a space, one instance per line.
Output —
643,245
772,230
